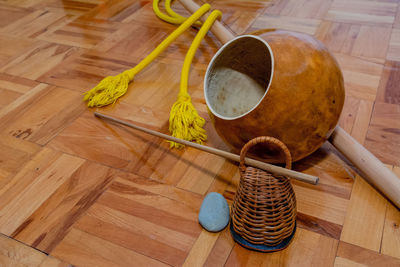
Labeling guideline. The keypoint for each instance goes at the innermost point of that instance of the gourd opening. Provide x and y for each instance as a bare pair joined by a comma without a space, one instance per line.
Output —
238,77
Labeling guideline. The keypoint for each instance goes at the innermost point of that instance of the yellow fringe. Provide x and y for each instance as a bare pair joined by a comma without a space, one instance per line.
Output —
113,87
184,121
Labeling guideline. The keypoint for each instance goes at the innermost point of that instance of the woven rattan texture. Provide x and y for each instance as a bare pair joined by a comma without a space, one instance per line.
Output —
264,208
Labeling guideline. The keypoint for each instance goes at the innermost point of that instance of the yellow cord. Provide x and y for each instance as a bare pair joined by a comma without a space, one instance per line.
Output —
172,17
171,12
184,121
113,87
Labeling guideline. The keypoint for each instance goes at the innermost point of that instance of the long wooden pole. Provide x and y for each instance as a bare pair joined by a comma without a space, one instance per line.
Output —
373,169
251,162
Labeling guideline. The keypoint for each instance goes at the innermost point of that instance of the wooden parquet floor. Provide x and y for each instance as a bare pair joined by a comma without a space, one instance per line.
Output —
77,190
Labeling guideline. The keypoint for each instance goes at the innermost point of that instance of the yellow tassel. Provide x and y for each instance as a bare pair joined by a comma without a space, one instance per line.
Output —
113,87
185,122
108,90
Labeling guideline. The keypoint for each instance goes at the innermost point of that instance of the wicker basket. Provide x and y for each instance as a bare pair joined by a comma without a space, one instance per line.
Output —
264,208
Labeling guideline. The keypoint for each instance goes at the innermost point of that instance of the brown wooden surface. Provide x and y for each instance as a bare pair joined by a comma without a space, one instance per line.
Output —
90,193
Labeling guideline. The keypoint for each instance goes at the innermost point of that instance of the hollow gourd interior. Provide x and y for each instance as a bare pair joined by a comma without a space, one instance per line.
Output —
238,77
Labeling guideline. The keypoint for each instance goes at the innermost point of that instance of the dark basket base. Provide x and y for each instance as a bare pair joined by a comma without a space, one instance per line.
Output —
262,248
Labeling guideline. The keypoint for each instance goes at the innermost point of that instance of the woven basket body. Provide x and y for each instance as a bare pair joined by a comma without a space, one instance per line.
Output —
264,208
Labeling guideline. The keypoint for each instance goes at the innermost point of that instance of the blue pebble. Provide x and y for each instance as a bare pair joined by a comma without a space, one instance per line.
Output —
214,212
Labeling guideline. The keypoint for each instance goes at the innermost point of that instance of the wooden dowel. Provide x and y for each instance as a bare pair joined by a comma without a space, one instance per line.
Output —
251,162
219,30
372,168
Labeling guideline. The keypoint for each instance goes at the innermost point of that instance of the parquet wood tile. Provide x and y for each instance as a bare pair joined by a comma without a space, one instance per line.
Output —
384,130
221,250
312,248
194,179
388,87
14,154
394,46
84,249
14,253
361,76
9,14
306,9
391,234
13,87
349,113
363,12
48,55
391,231
361,124
48,225
363,225
98,141
201,249
130,215
70,7
305,25
337,36
354,256
92,193
12,47
372,42
67,7
40,117
82,71
276,7
396,23
20,197
35,23
81,33
114,11
321,205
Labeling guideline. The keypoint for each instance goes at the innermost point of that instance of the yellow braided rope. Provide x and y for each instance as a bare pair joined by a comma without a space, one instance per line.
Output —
170,11
172,17
113,87
184,121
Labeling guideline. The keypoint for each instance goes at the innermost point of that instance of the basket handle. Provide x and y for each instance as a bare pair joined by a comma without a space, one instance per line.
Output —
265,139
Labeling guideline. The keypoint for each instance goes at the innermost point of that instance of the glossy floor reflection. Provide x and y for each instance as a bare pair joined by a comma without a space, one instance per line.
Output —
90,193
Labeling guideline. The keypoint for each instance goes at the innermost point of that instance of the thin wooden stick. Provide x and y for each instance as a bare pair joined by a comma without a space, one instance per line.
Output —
251,162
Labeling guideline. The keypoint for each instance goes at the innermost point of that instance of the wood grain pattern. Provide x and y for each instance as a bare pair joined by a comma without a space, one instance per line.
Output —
364,223
26,64
384,128
391,231
88,250
305,25
51,222
313,248
388,91
394,46
23,201
372,42
92,193
14,253
356,255
370,12
44,120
